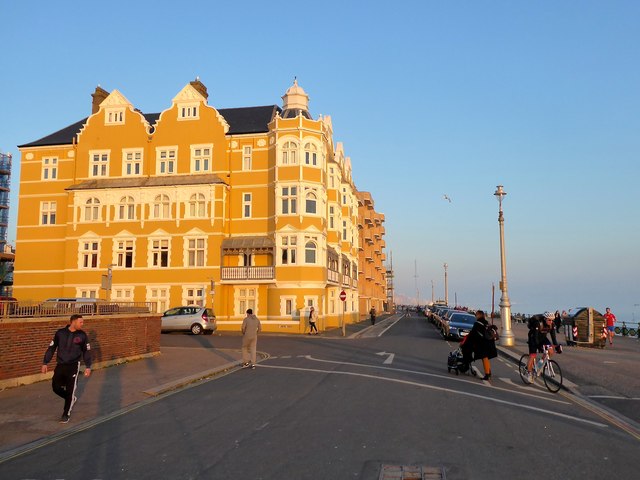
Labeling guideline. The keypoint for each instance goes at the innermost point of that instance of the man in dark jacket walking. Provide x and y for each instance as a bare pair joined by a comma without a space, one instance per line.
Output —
72,345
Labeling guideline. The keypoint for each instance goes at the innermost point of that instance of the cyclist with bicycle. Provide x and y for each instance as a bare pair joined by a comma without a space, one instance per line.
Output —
537,340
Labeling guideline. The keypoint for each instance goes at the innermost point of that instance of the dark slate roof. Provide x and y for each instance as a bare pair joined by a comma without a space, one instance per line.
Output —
61,137
240,120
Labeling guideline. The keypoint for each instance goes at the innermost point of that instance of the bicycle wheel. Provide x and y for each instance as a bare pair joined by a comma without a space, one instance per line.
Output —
522,368
552,376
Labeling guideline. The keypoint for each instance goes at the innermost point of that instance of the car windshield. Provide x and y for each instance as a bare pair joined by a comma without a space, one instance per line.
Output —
467,319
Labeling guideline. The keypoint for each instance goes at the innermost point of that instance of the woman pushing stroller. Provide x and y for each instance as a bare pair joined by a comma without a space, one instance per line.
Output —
480,343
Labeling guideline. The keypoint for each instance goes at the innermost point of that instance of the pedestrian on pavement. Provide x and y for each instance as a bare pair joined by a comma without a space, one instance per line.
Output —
610,323
481,346
372,315
313,318
250,329
72,345
557,321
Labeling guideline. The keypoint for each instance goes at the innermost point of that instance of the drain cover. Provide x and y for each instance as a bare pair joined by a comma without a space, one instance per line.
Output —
411,472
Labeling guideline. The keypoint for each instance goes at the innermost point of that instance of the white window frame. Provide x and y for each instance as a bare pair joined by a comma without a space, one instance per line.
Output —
289,200
89,253
134,158
311,195
246,297
283,306
195,251
344,230
289,153
247,207
247,157
311,155
155,253
167,159
92,210
159,295
197,205
114,116
288,250
189,111
48,212
84,292
122,294
161,207
126,208
49,168
99,163
194,295
314,242
201,161
121,251
332,217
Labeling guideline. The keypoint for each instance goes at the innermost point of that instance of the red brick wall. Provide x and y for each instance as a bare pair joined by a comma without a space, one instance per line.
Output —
23,342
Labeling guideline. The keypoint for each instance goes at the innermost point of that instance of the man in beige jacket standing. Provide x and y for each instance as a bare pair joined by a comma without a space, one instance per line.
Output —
250,330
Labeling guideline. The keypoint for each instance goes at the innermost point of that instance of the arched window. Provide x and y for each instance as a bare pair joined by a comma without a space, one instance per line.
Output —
310,154
311,203
197,205
290,153
310,252
127,208
161,206
92,210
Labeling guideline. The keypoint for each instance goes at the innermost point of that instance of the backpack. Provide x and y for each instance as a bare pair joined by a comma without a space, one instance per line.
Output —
491,333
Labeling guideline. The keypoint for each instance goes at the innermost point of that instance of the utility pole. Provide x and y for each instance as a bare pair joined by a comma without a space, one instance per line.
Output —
415,276
446,286
432,293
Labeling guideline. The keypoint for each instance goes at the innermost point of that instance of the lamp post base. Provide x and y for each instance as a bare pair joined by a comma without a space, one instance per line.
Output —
507,339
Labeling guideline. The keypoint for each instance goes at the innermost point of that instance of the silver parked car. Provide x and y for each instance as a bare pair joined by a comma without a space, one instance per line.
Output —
194,318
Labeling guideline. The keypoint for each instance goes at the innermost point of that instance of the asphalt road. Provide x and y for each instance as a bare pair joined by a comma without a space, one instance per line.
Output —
333,408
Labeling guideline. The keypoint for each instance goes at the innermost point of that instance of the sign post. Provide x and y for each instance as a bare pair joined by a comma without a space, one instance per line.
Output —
343,298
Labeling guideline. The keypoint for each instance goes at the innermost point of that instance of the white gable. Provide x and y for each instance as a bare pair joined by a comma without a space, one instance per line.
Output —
115,99
189,95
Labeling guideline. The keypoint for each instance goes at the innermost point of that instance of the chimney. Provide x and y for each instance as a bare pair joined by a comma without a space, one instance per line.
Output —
199,86
98,97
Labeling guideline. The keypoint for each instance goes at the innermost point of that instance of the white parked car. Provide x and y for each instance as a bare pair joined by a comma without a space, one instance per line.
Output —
198,320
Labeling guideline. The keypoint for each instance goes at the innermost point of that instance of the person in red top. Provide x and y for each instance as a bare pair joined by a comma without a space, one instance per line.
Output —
610,322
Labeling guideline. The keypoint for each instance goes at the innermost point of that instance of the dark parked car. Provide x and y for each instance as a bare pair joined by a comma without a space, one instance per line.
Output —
460,324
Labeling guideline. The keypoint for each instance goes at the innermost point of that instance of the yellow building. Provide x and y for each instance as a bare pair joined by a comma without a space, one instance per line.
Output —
230,208
372,284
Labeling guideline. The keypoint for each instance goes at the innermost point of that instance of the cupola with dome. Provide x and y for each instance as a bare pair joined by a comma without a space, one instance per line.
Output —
295,102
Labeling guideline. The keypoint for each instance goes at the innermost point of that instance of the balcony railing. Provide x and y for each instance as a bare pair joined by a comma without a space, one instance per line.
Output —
248,273
333,276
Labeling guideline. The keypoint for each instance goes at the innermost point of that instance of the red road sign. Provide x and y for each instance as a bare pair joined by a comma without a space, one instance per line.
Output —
343,295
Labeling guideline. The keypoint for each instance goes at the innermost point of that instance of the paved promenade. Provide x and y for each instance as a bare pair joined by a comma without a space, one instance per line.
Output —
28,412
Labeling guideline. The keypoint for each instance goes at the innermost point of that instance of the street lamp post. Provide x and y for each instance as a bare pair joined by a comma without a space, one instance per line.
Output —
446,286
506,337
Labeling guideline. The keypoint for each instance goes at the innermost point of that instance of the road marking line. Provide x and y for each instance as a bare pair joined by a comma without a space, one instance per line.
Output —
389,359
435,375
443,389
613,397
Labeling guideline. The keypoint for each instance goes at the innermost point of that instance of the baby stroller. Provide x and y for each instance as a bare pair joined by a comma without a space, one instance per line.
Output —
457,363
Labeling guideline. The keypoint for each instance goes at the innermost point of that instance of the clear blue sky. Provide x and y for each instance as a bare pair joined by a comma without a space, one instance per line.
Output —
429,98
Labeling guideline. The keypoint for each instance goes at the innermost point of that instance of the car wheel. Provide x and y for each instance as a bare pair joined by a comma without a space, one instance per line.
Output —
196,329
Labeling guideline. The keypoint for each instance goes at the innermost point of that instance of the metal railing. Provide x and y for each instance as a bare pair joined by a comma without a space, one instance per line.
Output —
248,273
23,309
333,276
